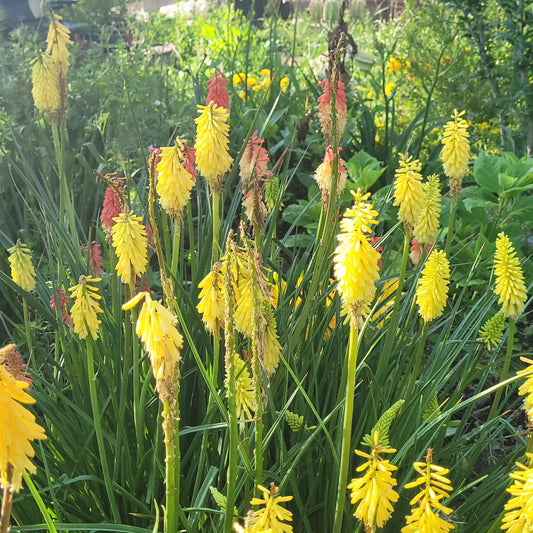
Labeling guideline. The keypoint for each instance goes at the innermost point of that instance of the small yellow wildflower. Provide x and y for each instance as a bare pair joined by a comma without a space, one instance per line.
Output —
272,515
389,88
432,287
174,183
212,155
408,190
22,271
284,84
436,487
131,245
394,65
374,491
238,78
526,389
519,509
17,429
427,225
510,286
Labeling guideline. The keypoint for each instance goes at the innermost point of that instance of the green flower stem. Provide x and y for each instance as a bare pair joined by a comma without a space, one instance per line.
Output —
418,360
98,430
175,248
172,467
353,348
505,372
451,225
192,245
27,330
42,507
65,205
393,322
7,501
216,228
258,422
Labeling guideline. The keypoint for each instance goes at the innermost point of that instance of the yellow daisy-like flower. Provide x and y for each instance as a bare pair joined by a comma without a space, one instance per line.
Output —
22,271
272,515
492,331
284,84
86,308
45,91
374,491
436,487
510,286
456,151
131,245
212,155
57,40
427,225
432,287
174,183
17,429
408,191
157,329
526,389
211,297
519,509
356,261
245,391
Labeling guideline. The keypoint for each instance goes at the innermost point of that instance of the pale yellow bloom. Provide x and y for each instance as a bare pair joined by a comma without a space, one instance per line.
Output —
212,155
284,84
456,151
436,487
45,91
211,305
519,509
245,390
510,286
432,287
272,346
17,429
86,308
174,183
272,515
131,246
374,492
57,40
408,191
526,389
427,225
22,271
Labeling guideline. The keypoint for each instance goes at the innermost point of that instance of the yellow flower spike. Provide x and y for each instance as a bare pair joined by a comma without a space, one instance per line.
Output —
211,305
57,40
510,286
272,515
374,491
272,346
131,246
157,328
212,155
408,191
526,389
456,151
45,91
435,487
519,509
86,308
244,305
245,390
427,225
22,271
174,183
17,429
432,287
355,260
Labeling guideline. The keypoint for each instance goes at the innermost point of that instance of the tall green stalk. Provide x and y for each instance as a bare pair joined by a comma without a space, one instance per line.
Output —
418,360
172,466
98,430
7,500
505,371
451,225
27,330
353,348
216,227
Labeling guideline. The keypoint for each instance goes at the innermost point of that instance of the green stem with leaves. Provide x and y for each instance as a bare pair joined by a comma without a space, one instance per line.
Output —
98,430
505,371
451,225
353,348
